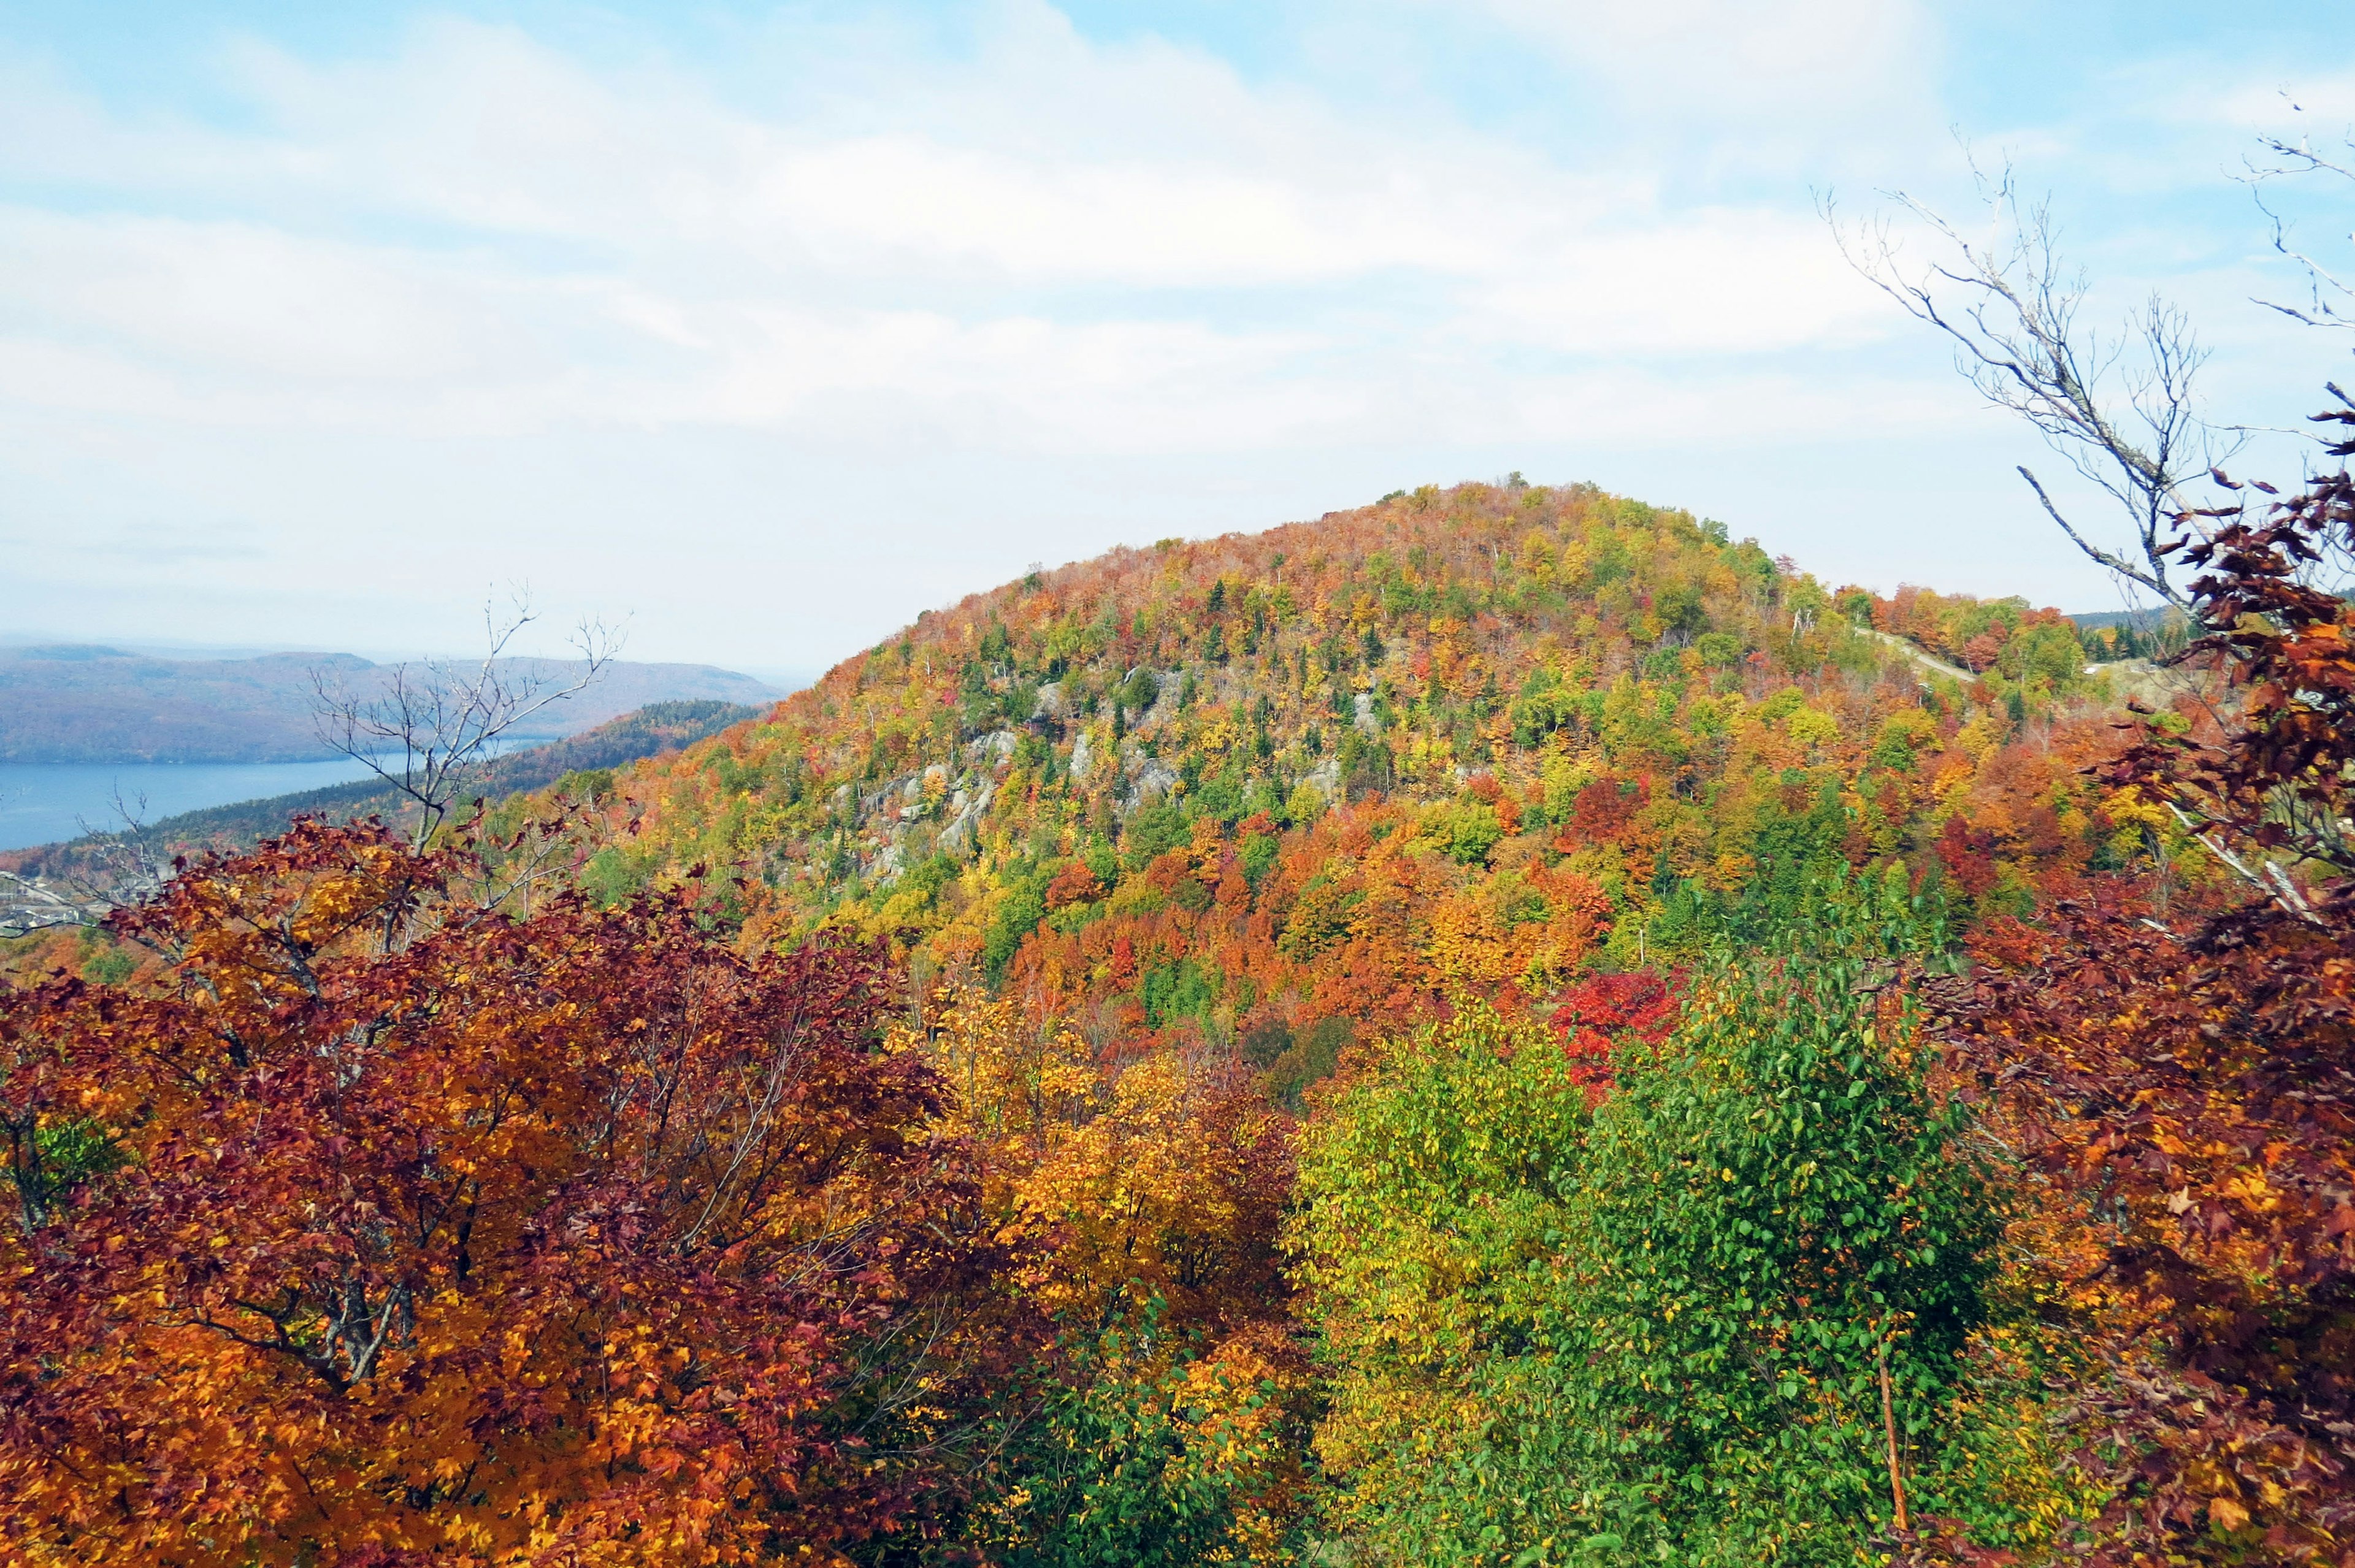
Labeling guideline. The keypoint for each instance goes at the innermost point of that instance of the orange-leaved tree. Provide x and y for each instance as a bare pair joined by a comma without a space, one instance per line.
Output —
389,1229
2189,1097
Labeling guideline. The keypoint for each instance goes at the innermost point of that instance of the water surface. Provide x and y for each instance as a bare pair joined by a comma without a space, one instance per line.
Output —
41,803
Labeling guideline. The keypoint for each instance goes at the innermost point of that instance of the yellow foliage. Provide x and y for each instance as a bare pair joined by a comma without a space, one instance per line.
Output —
1469,945
1537,555
1014,1085
1983,734
1163,1180
1159,1193
1811,727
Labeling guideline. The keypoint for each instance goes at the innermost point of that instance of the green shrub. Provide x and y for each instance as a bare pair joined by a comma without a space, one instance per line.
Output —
1110,1463
1718,650
1653,1333
1153,830
1472,829
1018,914
1257,852
1174,991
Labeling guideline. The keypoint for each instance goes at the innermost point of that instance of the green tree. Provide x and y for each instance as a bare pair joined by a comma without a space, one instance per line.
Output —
1655,1333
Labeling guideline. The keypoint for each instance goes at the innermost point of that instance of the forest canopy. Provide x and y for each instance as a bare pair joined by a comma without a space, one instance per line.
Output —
1506,1026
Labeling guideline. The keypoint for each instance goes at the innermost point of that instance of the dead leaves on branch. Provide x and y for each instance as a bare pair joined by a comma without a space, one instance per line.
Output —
2185,1104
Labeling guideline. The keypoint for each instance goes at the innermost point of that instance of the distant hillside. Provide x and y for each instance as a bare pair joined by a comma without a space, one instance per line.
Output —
1278,787
2112,634
587,759
2148,620
84,703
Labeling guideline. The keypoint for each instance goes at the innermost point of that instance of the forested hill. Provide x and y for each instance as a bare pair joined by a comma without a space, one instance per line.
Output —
1259,787
1480,1030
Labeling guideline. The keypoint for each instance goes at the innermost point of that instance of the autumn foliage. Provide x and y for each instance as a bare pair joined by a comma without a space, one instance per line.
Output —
1602,1014
400,1230
1480,741
2185,1087
1500,1027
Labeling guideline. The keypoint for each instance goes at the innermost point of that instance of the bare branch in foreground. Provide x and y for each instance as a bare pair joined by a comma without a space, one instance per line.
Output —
124,867
2330,298
2121,410
435,722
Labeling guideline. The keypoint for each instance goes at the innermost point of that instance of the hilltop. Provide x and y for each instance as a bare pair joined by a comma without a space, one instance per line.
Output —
1276,788
89,703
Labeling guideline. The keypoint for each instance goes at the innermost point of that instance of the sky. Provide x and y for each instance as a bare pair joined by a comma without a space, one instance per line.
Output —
760,328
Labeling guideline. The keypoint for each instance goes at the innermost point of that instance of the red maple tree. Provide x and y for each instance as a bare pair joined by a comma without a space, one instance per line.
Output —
2190,1094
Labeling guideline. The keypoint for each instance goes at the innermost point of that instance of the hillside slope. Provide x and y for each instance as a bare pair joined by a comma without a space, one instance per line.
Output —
1271,789
1590,853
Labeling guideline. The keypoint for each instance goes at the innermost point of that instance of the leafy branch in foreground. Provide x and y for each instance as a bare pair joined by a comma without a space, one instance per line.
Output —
2279,784
2181,1101
483,1239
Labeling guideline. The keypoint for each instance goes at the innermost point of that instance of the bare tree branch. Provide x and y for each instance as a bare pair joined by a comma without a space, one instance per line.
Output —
122,867
2331,295
2330,298
2009,304
435,722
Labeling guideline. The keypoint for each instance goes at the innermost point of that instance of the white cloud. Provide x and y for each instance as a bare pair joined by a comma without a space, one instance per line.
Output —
1706,283
236,298
520,296
1783,72
716,267
1130,222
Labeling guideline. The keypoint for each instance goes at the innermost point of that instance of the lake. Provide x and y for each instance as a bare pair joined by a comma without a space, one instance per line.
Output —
41,803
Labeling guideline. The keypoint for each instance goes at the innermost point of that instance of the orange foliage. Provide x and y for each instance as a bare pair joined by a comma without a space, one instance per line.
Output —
395,1228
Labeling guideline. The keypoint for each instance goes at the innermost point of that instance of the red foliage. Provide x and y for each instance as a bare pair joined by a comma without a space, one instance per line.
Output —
1967,853
2199,1097
403,1232
2191,1099
1602,811
2281,781
1074,884
1603,1009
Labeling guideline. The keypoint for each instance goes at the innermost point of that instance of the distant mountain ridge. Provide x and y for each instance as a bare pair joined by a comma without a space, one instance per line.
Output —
80,703
584,762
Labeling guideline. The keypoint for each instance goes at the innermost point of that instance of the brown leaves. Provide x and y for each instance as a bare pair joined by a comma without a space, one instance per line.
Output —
2281,781
2189,1101
2187,1112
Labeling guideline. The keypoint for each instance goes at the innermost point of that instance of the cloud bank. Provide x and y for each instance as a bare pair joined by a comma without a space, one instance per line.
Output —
476,306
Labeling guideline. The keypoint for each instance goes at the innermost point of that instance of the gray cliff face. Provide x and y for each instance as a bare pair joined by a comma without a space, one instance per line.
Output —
1149,778
1050,706
940,809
